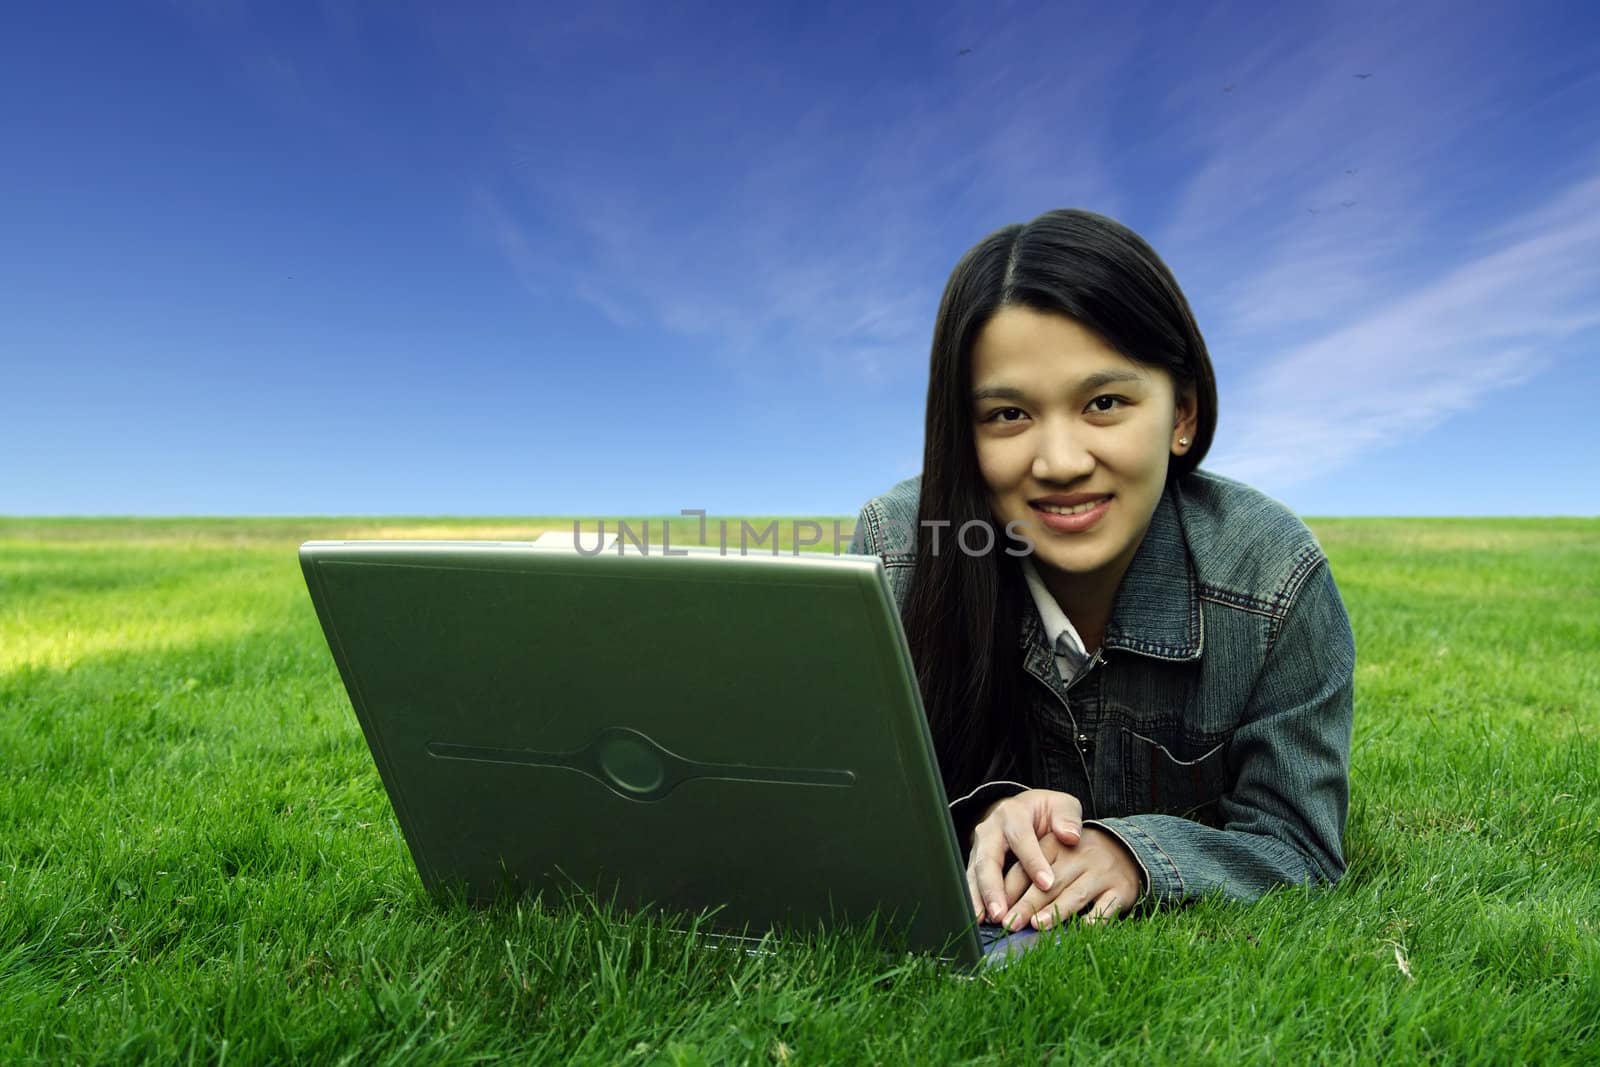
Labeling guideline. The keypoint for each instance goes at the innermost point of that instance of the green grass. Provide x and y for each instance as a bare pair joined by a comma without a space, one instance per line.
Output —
197,860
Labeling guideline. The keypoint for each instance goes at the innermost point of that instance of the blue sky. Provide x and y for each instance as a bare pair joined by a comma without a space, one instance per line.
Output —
518,259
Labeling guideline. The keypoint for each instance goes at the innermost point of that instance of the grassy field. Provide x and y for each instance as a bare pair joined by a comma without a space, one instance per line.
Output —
198,862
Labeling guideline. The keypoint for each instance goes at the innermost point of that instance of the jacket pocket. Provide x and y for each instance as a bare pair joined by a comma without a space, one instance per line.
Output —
1179,775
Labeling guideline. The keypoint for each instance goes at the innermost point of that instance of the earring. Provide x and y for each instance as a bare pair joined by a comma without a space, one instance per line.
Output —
1183,441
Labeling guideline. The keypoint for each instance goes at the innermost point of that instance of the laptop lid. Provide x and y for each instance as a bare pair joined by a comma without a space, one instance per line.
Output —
710,730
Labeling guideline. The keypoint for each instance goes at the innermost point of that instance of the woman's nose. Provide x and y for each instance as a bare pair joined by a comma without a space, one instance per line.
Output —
1062,454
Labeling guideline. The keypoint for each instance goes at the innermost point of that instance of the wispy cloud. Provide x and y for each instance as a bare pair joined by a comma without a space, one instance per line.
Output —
827,224
305,77
1332,221
495,224
1357,277
1334,93
1323,160
1425,355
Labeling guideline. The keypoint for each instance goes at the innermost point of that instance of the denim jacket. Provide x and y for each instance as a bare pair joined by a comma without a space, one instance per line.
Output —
1211,731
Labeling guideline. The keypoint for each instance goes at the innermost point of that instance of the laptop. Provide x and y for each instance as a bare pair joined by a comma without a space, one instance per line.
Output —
686,731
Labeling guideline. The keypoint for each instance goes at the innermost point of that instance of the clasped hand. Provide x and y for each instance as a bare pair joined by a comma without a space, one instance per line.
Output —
1061,867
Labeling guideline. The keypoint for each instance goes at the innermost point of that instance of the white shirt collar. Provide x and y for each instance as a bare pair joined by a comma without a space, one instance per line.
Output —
1054,619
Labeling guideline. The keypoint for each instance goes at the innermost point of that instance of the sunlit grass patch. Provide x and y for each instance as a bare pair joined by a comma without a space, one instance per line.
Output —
198,861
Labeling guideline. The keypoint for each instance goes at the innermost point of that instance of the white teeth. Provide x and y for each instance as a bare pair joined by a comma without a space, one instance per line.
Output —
1056,509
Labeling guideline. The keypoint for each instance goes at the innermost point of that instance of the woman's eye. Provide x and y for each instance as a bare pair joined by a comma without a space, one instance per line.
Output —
995,416
1095,403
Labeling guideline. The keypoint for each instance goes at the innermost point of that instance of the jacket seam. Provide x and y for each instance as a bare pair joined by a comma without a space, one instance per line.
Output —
1312,556
1304,568
981,788
1244,602
1156,651
1177,873
870,512
1309,557
1171,871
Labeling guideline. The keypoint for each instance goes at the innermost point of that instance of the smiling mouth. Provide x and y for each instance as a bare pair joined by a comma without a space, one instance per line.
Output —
1076,509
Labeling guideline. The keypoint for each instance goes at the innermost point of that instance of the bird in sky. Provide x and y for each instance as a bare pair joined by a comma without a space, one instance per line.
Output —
964,51
1363,76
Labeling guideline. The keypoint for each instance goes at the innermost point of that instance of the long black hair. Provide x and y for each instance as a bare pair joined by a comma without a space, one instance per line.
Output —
961,610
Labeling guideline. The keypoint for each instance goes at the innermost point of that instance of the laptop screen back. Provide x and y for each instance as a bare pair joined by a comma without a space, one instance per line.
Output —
741,732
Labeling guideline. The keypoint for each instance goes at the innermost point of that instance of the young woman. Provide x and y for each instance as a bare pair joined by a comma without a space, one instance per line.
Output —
1140,689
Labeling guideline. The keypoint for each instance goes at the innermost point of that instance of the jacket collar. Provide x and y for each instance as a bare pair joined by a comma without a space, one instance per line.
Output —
1157,610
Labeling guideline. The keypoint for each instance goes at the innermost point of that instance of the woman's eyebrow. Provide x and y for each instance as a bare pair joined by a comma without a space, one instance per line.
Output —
1098,380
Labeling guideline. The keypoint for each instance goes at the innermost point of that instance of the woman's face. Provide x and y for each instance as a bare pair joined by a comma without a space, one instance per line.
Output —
1061,420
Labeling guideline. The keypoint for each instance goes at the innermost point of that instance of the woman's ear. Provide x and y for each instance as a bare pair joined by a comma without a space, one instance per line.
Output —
1185,418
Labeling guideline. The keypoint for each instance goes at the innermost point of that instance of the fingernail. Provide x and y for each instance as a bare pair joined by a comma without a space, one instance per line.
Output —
1011,921
996,909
